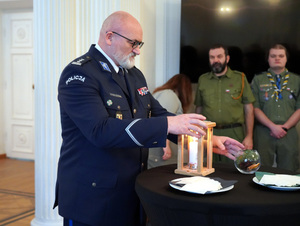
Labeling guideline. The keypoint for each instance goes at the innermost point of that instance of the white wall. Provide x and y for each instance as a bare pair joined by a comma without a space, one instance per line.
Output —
160,54
147,57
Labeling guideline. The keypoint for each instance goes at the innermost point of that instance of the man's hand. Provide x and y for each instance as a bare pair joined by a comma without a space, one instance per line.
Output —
227,146
248,142
277,131
187,124
167,153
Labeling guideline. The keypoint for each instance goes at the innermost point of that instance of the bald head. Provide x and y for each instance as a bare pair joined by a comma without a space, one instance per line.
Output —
118,37
121,22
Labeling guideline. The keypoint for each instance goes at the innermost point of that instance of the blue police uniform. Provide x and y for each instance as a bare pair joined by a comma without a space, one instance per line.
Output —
106,131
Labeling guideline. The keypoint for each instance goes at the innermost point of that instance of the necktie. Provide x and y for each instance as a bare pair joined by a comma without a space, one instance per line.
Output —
122,73
122,76
278,86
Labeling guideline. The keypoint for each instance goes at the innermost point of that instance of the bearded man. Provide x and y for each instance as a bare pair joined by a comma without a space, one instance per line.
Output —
225,97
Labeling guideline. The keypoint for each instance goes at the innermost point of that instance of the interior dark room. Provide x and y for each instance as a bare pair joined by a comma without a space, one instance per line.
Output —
247,27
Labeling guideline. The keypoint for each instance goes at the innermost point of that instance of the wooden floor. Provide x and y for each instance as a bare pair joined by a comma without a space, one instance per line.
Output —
16,192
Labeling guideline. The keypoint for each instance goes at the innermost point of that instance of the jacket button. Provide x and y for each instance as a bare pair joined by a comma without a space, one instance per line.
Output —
94,184
134,111
155,142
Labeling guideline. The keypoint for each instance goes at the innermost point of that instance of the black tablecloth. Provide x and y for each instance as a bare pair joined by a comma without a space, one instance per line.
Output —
246,204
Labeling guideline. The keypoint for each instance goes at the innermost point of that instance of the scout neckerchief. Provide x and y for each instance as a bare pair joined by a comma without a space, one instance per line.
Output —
278,89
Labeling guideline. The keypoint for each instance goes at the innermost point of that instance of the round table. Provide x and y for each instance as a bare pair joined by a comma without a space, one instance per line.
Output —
246,204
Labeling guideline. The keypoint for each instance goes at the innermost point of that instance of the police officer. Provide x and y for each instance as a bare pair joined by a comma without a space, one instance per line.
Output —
225,97
277,109
109,119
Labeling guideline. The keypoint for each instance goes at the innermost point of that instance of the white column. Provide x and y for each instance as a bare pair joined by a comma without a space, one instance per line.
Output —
54,33
90,16
172,26
167,42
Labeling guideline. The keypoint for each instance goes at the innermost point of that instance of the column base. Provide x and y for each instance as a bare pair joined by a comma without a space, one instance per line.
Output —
43,222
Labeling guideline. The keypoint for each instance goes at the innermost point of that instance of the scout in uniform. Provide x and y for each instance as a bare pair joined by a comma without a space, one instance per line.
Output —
224,96
277,110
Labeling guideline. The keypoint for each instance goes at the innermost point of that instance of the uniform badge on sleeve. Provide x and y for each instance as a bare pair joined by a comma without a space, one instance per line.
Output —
143,91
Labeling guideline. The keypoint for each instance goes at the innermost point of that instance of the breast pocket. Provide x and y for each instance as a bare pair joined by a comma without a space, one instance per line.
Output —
144,110
117,106
290,95
209,97
265,94
233,96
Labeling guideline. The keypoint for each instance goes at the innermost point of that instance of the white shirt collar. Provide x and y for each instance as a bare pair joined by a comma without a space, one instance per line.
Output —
108,58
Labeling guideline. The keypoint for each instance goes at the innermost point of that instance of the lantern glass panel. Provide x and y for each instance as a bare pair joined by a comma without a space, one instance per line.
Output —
195,155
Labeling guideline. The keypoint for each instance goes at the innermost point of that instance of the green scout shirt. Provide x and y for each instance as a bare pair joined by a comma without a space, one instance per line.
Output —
277,111
215,96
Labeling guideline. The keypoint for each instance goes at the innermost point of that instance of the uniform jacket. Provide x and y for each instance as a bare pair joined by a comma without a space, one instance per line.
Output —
101,155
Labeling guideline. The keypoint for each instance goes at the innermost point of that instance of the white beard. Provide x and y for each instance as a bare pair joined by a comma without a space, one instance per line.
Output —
125,61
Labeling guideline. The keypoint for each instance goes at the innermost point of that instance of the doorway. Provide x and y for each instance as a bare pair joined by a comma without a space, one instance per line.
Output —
18,84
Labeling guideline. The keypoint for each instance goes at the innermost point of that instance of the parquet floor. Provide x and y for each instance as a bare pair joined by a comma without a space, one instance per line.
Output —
16,192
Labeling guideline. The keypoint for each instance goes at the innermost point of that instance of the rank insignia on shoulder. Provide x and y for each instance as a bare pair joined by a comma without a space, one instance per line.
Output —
105,66
81,61
143,91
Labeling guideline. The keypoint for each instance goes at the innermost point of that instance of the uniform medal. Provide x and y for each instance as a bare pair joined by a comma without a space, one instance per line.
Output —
266,95
119,115
109,102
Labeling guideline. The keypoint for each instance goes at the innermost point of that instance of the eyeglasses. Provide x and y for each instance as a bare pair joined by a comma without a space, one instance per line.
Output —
135,43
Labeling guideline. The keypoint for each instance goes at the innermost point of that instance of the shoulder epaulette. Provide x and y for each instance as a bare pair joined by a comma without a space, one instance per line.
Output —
81,61
237,72
260,73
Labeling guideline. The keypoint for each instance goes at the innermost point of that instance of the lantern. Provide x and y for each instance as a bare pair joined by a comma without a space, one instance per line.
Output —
195,155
